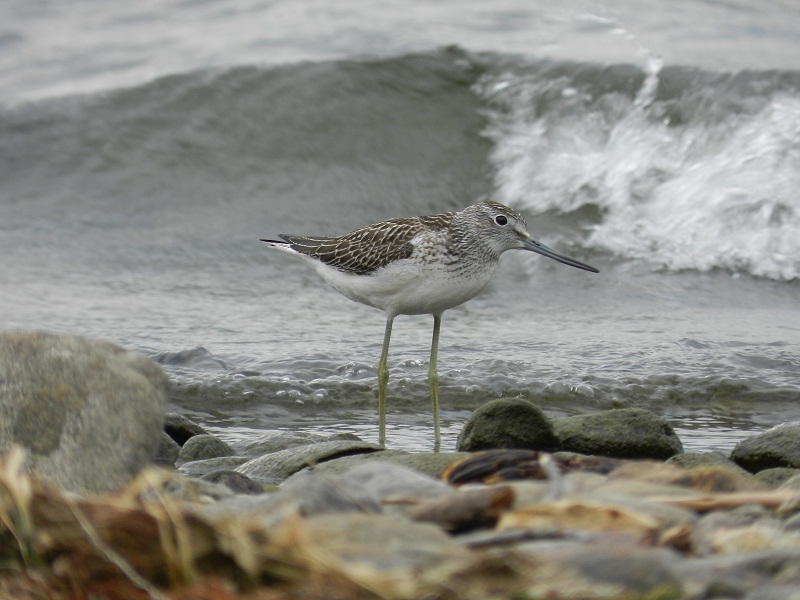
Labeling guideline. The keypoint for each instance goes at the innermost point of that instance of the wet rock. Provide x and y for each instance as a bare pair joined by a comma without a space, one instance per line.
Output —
428,463
273,441
776,476
495,466
203,447
168,450
236,482
638,570
198,468
174,486
791,484
465,510
571,570
712,478
315,494
307,494
343,436
690,460
342,464
733,576
387,480
620,433
776,447
774,592
749,528
277,466
507,423
180,428
361,489
579,516
88,414
665,516
358,544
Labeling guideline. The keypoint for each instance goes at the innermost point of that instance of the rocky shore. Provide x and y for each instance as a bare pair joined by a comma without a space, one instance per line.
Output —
594,506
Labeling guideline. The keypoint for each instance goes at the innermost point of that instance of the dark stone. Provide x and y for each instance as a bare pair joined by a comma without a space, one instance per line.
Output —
236,482
776,447
621,433
507,423
776,476
180,429
168,450
202,447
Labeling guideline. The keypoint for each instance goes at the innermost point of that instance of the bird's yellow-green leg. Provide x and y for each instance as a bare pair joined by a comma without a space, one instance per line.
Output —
433,382
383,382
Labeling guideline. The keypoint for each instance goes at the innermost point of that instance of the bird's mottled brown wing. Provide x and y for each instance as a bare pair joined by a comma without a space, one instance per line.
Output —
369,248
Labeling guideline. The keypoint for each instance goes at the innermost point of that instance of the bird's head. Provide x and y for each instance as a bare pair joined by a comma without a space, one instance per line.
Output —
505,229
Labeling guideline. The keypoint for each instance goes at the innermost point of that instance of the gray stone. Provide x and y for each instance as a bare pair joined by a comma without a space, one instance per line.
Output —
733,576
308,494
620,433
316,494
273,441
198,468
792,483
385,544
776,447
180,488
792,523
776,476
569,569
180,429
203,447
389,480
280,465
236,482
639,571
774,592
507,423
690,460
88,414
360,489
168,450
342,464
428,463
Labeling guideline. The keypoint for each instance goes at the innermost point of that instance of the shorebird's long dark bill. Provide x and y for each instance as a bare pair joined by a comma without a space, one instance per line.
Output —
535,246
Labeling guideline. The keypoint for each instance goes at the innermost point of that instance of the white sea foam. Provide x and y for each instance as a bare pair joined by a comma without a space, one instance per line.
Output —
719,188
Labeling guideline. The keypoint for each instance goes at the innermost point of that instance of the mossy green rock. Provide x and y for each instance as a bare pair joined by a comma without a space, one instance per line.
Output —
691,460
776,447
776,476
507,423
203,447
620,433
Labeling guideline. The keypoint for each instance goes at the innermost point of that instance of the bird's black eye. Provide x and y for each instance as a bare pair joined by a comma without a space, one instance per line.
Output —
501,220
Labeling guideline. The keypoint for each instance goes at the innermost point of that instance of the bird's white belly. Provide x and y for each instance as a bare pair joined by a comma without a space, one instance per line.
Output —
406,288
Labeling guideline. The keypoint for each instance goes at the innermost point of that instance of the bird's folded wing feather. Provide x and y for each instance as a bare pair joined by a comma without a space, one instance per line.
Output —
369,248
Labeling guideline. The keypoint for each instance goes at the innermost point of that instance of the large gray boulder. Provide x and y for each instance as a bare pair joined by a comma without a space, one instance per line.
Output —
88,414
